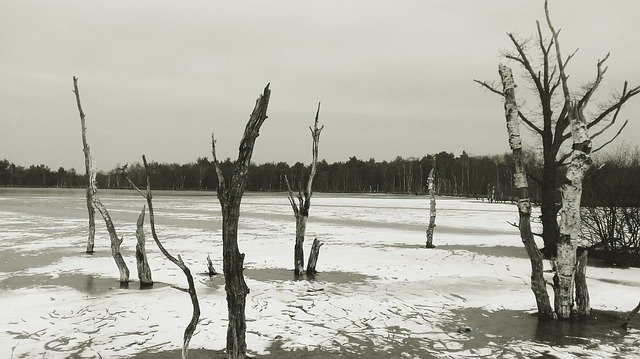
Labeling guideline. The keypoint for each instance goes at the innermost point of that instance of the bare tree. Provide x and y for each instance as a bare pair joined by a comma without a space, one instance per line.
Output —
93,193
87,166
301,209
230,198
552,120
538,284
191,327
142,264
432,207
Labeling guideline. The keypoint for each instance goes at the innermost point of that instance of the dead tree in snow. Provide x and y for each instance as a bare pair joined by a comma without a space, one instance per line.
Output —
87,166
538,284
230,198
301,209
93,193
432,207
313,256
144,272
210,269
191,327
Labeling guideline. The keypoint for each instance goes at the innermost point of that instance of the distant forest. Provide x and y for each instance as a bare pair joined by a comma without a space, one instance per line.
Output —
487,177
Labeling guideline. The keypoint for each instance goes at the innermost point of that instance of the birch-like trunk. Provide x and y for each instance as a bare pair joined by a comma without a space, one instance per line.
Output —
230,198
87,165
301,208
583,307
569,220
313,256
538,284
432,208
93,189
144,272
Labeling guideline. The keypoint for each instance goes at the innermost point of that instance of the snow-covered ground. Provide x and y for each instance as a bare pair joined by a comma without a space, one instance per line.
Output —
379,293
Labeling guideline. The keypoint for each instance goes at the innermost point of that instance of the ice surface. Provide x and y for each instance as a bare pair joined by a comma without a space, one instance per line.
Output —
378,291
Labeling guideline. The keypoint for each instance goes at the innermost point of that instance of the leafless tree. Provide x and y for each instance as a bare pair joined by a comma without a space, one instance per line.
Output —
142,264
87,164
301,208
230,197
97,203
432,207
551,120
191,327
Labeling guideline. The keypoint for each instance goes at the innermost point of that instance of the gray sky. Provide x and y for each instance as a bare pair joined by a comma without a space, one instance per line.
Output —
395,78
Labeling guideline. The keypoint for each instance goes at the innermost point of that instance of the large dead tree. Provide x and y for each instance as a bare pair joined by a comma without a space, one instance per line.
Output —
550,119
538,284
191,327
301,208
230,197
93,189
87,164
432,206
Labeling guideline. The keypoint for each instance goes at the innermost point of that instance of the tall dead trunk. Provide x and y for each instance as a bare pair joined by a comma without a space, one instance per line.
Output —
230,198
538,284
144,272
301,208
93,189
432,208
191,327
313,256
87,164
569,220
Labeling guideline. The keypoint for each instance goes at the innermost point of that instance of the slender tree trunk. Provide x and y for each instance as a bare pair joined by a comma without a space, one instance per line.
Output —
538,284
93,189
87,165
210,269
301,228
313,257
230,198
144,272
432,208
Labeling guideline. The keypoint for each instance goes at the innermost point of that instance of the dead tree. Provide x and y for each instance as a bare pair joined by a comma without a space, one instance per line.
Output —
313,257
538,284
230,198
631,314
432,207
93,189
191,327
554,122
144,272
301,208
87,165
210,269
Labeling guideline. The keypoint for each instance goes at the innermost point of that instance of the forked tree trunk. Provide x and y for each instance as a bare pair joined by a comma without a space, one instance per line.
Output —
230,199
432,208
87,165
538,284
313,257
191,327
93,189
569,220
144,272
301,209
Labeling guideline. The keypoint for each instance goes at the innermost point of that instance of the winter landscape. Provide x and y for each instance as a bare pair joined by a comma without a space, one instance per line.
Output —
378,293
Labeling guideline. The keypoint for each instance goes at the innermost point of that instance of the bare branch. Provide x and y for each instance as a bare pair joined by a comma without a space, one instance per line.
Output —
315,136
529,123
290,197
614,137
599,75
561,65
526,63
216,164
489,87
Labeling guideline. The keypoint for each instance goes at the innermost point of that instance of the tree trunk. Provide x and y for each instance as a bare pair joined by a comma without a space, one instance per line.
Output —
569,220
313,257
115,241
87,165
538,284
301,228
631,314
210,268
230,198
144,272
582,292
432,208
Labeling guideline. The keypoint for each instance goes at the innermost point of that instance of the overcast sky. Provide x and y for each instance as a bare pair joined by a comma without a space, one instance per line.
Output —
394,77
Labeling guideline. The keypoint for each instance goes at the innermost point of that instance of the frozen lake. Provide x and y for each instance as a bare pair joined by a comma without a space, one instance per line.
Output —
379,294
